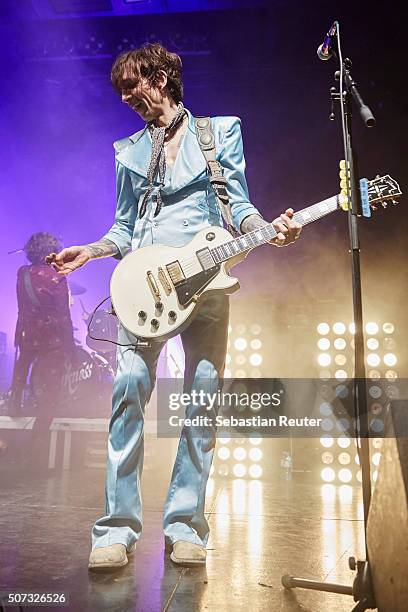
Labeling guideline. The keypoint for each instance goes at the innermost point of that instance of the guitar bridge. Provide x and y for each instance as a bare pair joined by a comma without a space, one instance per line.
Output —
164,281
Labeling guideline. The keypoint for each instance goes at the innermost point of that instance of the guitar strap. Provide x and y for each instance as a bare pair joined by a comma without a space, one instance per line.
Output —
206,140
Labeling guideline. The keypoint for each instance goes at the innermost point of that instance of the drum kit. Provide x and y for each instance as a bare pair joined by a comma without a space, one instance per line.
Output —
78,382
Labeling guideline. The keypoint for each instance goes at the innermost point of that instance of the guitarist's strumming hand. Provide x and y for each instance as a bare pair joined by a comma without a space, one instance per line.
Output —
288,229
72,258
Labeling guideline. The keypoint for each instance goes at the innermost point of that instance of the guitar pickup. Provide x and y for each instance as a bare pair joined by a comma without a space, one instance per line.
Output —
175,272
205,258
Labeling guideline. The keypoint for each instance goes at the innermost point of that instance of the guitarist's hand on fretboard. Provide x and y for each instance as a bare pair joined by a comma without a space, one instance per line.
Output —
287,229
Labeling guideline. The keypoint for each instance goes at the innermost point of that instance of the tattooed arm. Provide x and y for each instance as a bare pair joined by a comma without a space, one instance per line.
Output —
288,230
75,257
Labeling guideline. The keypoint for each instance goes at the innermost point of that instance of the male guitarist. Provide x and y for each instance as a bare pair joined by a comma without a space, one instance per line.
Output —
164,196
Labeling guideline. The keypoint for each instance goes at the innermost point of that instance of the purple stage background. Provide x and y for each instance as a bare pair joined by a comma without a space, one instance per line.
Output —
59,117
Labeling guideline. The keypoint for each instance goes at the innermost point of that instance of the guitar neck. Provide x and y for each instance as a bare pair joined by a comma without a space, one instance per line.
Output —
267,233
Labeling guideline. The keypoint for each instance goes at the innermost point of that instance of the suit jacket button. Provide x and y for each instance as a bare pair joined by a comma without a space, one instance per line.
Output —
185,222
155,224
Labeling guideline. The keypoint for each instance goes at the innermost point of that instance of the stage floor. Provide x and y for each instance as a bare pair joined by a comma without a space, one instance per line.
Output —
259,531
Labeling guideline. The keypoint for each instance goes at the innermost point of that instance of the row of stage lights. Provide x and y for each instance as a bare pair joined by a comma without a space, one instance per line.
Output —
339,457
244,357
238,457
337,350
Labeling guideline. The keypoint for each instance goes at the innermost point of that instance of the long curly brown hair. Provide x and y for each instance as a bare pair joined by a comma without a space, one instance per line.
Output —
146,62
41,244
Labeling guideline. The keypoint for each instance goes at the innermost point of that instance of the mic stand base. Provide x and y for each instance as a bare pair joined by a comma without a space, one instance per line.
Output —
361,591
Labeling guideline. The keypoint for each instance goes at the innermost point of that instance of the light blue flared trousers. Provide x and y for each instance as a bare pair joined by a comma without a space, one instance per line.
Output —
204,343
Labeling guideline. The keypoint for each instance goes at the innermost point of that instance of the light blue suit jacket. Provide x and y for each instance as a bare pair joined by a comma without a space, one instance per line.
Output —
189,203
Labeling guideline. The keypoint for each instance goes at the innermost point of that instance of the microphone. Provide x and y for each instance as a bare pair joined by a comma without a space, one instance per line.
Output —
326,49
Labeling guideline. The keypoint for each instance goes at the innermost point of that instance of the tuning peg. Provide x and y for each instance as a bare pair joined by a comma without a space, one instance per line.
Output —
394,202
344,179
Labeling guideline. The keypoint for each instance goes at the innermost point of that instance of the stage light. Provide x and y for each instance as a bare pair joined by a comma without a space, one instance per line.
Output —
255,471
343,442
255,329
371,328
376,459
344,458
340,375
326,441
345,475
325,409
390,359
372,344
240,454
239,470
240,344
255,441
324,359
346,493
327,457
255,454
229,328
388,328
359,476
255,344
340,359
374,374
376,425
323,344
255,359
357,459
327,474
223,470
323,329
373,359
339,344
391,375
224,453
375,475
339,328
352,328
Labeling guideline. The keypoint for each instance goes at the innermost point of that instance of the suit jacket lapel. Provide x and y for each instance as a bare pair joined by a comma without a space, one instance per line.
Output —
189,164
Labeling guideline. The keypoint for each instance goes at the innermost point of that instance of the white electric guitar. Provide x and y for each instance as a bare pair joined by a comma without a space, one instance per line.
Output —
155,290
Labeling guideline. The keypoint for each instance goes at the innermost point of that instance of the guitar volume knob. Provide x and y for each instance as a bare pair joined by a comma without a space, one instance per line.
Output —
142,315
172,315
159,306
154,323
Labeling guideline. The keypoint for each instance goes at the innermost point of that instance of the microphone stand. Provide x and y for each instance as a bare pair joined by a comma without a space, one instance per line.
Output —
362,589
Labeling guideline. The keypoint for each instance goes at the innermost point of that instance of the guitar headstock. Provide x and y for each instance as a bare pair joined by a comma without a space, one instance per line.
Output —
380,191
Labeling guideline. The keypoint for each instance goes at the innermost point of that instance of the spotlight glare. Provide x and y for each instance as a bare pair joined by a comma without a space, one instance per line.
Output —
376,459
371,328
339,328
327,474
255,329
345,475
343,442
255,441
255,344
240,344
340,374
339,344
239,470
227,373
388,328
255,471
324,359
326,441
327,457
323,344
240,453
374,374
375,475
372,344
391,375
224,453
255,359
373,359
227,358
323,329
340,359
359,476
390,359
344,458
255,454
352,328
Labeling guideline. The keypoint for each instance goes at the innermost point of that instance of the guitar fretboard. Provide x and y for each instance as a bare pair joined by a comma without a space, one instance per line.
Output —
248,241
